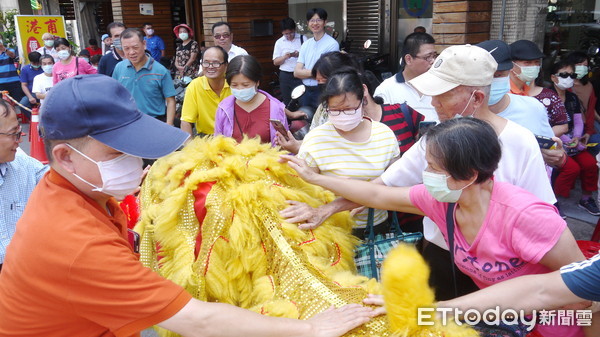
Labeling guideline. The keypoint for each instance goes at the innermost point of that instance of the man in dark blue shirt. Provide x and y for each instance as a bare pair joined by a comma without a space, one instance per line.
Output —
28,72
107,63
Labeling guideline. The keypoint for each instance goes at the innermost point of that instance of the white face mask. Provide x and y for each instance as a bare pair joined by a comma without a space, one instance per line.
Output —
121,176
64,54
460,115
149,31
347,122
47,68
183,36
49,43
437,185
565,83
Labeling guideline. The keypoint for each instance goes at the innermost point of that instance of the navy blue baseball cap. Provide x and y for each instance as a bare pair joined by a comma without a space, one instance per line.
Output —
500,51
525,50
100,107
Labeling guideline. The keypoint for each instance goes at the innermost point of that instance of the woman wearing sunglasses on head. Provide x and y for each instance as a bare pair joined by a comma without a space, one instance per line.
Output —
580,163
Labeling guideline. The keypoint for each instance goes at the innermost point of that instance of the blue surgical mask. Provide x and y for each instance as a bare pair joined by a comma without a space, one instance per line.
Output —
500,86
581,71
183,36
86,59
35,67
244,95
117,43
437,185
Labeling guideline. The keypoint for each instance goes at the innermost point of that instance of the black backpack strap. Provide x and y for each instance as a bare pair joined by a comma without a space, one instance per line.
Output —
450,228
301,39
77,65
408,118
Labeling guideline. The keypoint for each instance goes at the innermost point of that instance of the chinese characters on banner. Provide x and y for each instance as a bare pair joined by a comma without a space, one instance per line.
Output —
30,29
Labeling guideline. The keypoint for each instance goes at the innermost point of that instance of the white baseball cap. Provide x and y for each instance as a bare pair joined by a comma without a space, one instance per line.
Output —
457,65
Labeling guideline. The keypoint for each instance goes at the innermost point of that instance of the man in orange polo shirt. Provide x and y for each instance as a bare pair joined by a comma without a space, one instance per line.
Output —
70,269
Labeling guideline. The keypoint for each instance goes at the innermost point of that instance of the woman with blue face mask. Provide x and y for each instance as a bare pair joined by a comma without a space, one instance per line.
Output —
248,111
69,66
500,231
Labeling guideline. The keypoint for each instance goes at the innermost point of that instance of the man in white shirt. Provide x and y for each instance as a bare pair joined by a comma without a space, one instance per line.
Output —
223,37
285,55
418,54
48,47
311,51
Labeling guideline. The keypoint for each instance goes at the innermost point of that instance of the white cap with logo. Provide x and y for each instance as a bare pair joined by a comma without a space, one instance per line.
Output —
457,65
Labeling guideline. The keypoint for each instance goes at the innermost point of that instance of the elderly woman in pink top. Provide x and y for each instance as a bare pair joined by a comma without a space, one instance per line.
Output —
500,231
248,110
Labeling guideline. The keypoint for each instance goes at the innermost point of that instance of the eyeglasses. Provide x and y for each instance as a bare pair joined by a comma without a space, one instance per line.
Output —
315,20
212,64
429,57
221,36
566,75
17,135
345,112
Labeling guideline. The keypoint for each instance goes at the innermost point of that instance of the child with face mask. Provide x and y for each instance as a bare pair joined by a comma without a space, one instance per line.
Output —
42,83
246,113
580,163
350,144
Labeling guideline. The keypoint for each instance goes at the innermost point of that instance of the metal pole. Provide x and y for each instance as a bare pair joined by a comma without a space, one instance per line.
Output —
502,15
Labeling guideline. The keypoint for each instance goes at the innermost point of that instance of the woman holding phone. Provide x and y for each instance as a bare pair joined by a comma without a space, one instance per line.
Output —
500,231
249,110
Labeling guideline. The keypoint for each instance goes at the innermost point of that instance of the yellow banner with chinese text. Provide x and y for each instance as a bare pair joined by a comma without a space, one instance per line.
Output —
30,29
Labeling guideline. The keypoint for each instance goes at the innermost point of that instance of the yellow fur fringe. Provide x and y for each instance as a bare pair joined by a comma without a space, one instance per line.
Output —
249,256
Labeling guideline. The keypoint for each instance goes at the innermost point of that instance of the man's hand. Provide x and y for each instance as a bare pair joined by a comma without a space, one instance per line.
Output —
336,322
304,171
555,158
32,100
376,300
299,212
293,115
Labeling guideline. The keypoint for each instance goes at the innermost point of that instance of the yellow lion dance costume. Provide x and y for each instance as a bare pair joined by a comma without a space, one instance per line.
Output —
243,253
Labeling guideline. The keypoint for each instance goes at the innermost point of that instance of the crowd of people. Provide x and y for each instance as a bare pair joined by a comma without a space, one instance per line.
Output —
475,141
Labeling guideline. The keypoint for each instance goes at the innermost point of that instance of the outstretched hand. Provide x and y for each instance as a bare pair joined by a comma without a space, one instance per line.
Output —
299,165
308,217
336,322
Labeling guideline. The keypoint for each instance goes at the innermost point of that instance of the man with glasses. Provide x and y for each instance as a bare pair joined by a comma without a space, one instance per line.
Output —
224,38
418,54
311,51
204,93
285,55
19,174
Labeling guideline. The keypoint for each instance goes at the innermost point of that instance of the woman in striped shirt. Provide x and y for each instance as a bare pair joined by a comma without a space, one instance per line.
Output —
350,144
